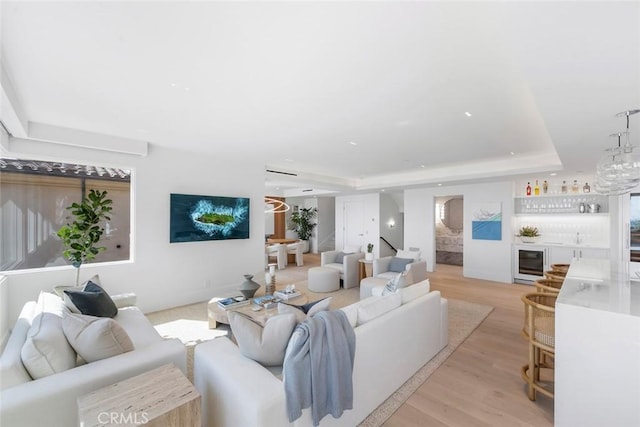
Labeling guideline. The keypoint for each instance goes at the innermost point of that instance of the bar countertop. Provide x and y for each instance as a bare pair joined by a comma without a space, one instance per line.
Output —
604,285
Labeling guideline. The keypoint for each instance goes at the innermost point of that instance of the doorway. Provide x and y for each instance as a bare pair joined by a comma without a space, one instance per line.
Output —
353,223
449,230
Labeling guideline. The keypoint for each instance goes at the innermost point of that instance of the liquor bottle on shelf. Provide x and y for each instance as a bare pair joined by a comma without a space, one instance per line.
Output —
574,187
586,188
545,186
563,189
528,189
536,189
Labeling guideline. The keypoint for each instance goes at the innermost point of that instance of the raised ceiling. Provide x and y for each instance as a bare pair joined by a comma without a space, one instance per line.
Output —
348,95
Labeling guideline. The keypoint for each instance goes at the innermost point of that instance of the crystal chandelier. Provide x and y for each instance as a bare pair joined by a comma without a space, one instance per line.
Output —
619,170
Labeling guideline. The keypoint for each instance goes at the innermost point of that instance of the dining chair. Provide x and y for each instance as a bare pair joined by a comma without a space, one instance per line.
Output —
280,252
296,249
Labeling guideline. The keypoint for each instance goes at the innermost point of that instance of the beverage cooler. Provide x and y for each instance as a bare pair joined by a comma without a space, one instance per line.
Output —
530,263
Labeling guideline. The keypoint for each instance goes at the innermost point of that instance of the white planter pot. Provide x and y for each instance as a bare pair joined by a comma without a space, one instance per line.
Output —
368,256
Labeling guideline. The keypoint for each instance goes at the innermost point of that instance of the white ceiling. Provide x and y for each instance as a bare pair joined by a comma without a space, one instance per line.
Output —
292,84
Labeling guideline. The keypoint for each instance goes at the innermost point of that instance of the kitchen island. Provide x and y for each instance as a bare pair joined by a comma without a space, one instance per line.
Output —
597,363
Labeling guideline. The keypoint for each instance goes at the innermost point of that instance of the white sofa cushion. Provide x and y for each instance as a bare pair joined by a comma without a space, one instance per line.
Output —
352,313
46,350
388,275
140,330
12,371
336,266
266,345
415,291
414,255
373,307
95,338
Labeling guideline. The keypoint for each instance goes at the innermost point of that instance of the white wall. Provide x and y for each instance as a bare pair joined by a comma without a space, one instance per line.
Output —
326,223
162,274
371,220
483,259
390,211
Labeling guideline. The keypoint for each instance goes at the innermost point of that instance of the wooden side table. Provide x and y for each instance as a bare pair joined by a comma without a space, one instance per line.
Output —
160,397
366,268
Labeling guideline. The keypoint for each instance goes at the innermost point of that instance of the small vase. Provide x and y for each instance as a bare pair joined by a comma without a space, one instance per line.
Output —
248,288
368,256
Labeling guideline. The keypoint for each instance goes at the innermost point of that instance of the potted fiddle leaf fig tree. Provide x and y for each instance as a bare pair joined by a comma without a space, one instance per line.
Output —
302,223
80,237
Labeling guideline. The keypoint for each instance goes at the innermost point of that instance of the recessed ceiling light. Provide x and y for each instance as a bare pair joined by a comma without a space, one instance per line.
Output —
468,114
382,190
186,89
439,185
553,174
422,166
173,85
353,143
512,153
288,160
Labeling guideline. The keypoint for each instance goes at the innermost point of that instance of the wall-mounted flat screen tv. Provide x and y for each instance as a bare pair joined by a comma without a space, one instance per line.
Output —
196,218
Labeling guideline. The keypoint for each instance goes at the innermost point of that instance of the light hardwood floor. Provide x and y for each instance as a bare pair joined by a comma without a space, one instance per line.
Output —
479,384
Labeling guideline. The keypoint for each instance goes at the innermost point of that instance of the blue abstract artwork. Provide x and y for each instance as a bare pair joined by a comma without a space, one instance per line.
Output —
196,218
487,221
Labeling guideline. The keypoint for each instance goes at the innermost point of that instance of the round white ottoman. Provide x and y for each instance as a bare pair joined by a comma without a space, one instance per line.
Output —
323,279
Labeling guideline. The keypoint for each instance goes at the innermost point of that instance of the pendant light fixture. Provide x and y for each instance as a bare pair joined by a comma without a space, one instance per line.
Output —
619,170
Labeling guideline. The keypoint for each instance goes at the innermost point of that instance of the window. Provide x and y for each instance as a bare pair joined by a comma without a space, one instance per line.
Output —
34,195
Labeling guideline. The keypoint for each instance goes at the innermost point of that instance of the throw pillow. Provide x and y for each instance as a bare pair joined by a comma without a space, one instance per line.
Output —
46,350
374,307
302,312
339,258
414,255
266,345
95,338
59,290
93,301
50,303
398,265
398,282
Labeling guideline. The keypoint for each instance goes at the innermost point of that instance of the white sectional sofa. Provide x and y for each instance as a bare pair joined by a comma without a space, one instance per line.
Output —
390,347
51,401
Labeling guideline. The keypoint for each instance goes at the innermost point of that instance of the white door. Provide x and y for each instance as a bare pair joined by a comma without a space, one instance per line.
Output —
353,223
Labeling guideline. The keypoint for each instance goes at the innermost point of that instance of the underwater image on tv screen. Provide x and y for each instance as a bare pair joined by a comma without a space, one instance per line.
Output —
196,218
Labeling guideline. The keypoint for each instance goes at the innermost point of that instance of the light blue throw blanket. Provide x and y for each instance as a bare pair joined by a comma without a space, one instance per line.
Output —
318,366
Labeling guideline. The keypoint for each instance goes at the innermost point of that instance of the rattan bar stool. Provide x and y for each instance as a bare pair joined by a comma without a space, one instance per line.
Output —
548,286
562,268
555,275
539,330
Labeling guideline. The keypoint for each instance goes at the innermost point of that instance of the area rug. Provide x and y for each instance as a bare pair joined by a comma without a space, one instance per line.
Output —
464,318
